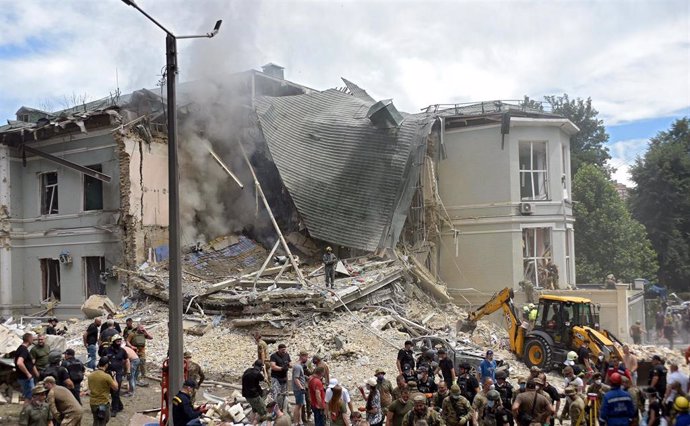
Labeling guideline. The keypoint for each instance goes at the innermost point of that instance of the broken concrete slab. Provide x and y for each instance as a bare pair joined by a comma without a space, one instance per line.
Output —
97,305
9,340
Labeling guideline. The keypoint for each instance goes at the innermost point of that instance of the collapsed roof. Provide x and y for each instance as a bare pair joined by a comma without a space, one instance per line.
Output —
350,169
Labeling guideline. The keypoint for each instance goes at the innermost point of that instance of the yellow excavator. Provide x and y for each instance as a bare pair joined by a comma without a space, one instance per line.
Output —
563,323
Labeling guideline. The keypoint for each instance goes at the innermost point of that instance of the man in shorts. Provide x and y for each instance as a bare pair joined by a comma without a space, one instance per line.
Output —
299,386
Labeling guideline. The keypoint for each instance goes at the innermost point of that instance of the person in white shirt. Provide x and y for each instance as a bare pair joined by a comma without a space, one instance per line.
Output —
572,380
675,376
346,395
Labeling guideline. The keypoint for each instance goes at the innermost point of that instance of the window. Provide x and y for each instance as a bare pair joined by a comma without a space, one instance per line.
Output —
93,266
533,171
49,193
536,254
93,190
50,278
564,171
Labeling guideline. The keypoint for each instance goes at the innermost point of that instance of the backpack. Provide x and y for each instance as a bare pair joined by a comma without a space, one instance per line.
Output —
75,369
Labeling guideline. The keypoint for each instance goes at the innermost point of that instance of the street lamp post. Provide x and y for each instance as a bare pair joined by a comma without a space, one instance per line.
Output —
175,345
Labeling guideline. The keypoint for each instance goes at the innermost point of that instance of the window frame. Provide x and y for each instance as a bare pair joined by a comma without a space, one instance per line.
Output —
535,259
532,172
41,193
98,168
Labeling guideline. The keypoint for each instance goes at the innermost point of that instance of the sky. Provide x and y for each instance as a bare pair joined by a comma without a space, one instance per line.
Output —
631,57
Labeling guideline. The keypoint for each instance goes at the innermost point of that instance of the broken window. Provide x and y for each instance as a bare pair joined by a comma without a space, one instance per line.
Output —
93,267
536,254
93,190
49,193
533,171
50,278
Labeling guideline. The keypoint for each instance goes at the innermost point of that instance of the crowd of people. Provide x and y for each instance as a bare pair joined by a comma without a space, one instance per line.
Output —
670,325
430,390
51,380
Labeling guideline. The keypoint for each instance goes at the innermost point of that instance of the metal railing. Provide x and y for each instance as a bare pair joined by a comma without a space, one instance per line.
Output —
485,107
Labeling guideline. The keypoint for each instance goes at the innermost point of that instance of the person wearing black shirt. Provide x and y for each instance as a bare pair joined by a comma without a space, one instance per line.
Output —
425,383
505,389
251,388
183,412
405,360
115,323
90,338
446,368
26,370
654,410
119,367
469,385
280,365
657,377
583,355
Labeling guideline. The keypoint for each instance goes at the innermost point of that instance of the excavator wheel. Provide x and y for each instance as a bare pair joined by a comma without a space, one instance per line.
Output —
537,352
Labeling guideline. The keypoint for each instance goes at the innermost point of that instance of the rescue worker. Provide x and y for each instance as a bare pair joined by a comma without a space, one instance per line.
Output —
108,330
531,407
183,412
119,368
439,396
64,407
76,371
425,383
137,341
617,408
384,387
469,385
405,361
40,353
251,389
505,390
57,371
262,355
637,398
522,387
494,412
329,263
456,409
574,408
680,406
481,400
398,408
101,386
532,313
194,370
129,327
422,413
37,412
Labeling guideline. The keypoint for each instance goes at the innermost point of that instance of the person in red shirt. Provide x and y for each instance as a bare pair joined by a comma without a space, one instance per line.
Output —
317,396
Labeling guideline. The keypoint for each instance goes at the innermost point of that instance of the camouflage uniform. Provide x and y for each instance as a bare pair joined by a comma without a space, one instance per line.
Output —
456,412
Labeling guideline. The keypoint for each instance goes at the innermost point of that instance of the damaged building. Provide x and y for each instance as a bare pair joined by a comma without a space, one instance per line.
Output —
475,195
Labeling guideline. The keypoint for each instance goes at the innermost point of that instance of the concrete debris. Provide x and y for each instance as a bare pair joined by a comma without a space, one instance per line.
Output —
9,340
98,305
139,419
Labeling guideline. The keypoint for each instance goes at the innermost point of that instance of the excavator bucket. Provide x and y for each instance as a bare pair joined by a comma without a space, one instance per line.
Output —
467,326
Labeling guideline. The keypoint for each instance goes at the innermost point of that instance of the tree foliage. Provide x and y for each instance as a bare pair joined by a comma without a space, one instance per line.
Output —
587,146
661,201
607,238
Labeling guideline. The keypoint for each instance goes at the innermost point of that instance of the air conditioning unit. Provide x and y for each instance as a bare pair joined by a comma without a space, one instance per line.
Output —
65,258
527,208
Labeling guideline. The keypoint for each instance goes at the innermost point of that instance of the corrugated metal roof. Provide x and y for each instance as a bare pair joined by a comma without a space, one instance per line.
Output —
351,182
357,91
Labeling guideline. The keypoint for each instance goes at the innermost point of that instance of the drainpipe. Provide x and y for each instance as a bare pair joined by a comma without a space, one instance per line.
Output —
5,250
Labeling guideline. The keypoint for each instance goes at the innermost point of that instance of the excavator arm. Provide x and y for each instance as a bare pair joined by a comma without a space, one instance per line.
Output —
501,300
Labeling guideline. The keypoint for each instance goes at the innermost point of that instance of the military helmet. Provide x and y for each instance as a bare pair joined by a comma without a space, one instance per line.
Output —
54,357
115,337
493,395
455,389
501,374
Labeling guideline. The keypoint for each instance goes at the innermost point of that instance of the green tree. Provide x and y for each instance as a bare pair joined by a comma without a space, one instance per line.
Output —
661,201
588,145
607,238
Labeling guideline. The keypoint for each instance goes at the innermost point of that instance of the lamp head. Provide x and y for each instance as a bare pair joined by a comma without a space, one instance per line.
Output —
129,3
